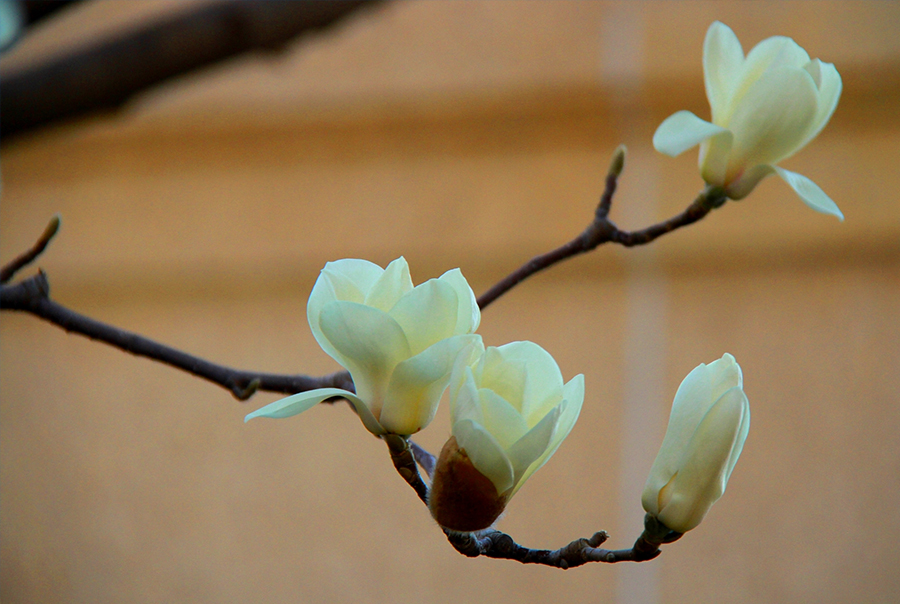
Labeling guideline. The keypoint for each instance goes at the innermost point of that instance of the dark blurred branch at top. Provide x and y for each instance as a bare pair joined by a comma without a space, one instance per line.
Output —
38,10
106,73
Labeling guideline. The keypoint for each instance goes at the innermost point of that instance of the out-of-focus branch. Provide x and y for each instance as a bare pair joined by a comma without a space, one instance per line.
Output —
107,73
603,230
38,10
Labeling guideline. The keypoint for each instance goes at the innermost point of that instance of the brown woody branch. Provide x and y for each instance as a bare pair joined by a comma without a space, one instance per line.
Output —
33,296
603,230
495,544
492,543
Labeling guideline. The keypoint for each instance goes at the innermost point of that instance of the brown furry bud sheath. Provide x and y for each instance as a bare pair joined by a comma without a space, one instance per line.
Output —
462,498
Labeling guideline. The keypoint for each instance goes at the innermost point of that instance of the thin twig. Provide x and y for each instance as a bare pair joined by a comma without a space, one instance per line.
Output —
9,271
602,230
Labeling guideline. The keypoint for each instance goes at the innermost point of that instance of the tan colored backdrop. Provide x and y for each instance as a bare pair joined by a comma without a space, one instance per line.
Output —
457,134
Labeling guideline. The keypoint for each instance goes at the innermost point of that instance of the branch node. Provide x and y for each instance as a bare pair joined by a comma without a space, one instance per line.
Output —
242,394
598,539
712,197
405,464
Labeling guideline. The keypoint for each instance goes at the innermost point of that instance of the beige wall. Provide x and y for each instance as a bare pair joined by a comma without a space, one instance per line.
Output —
457,134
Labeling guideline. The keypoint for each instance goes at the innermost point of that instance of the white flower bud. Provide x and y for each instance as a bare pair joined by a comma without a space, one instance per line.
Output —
765,108
509,414
398,342
707,429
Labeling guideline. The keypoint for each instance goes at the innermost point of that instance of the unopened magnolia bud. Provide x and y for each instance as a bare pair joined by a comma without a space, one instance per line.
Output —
462,498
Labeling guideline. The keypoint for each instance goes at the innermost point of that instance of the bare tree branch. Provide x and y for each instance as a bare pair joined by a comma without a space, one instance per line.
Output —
495,544
492,543
602,230
33,296
107,73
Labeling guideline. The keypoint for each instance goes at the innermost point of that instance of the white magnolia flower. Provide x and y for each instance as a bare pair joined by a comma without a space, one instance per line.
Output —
509,414
398,342
707,429
765,108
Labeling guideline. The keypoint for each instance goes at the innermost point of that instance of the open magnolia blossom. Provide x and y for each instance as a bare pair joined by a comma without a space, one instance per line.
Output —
707,428
509,414
398,342
765,108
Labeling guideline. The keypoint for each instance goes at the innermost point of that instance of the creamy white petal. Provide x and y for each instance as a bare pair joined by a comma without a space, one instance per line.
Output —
504,376
464,402
810,193
393,283
485,453
532,446
416,386
362,272
774,52
697,393
772,119
701,478
573,395
501,419
369,343
543,380
570,409
681,131
427,314
468,315
722,61
830,87
726,371
743,430
348,280
298,403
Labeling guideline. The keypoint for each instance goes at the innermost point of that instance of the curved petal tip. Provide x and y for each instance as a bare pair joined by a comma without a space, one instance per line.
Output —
811,194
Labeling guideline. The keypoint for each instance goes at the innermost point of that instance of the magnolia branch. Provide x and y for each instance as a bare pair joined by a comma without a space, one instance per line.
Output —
492,543
603,230
32,296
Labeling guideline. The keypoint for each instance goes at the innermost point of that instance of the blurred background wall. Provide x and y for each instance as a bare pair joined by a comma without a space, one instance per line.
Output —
459,134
